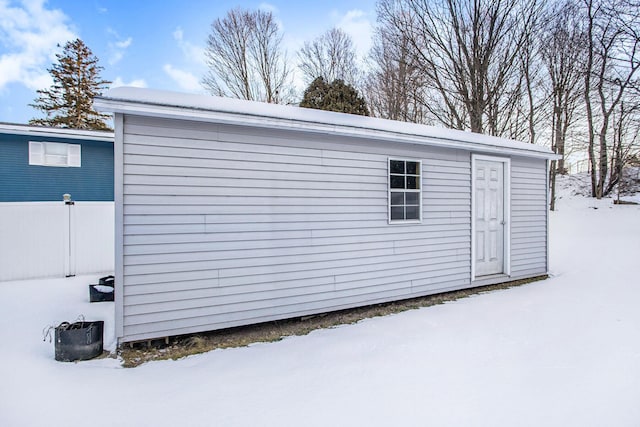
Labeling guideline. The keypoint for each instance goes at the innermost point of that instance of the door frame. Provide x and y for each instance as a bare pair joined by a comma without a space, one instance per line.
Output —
506,205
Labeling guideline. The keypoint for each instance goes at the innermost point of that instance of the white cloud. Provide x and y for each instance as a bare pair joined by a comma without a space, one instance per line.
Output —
192,52
118,47
268,7
133,83
124,44
116,56
356,23
184,79
30,34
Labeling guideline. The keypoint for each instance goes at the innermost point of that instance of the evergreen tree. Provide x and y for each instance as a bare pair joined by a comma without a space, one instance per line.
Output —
315,94
68,103
336,96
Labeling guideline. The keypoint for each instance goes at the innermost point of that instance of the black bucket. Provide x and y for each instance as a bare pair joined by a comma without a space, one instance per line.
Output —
100,293
107,280
79,340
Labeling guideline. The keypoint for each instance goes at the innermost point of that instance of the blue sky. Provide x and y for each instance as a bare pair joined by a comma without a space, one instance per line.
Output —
155,44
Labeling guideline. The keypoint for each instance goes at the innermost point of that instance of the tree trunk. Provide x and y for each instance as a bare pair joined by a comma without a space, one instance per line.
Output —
587,96
603,163
617,162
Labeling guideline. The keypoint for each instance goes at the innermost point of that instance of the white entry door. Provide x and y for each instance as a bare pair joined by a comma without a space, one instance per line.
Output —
489,217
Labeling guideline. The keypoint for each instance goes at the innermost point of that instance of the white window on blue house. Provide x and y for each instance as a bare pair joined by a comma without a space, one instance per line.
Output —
54,154
405,190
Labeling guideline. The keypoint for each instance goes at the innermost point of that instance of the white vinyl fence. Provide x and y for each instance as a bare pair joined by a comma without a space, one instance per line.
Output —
52,239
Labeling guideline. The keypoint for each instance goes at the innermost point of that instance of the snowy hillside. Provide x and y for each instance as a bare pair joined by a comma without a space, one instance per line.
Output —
580,185
560,352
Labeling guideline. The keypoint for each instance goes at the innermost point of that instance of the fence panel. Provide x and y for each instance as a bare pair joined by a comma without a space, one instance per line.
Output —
51,239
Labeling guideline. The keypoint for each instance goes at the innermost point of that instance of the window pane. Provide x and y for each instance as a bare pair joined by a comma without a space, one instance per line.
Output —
397,198
412,212
412,198
397,181
412,168
397,213
412,182
396,166
57,149
52,160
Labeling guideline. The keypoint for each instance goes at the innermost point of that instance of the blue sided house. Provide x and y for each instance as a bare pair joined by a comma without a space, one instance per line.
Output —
40,164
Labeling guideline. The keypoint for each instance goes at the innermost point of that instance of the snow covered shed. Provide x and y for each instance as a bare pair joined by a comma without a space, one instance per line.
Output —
233,212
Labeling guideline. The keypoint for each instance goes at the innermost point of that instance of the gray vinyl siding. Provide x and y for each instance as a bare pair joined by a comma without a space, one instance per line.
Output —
528,217
227,225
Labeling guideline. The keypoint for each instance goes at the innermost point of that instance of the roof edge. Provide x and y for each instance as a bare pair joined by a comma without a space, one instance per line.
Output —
175,105
44,131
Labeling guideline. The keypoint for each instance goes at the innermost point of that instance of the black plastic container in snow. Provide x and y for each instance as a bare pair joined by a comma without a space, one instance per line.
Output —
78,340
100,293
107,280
103,291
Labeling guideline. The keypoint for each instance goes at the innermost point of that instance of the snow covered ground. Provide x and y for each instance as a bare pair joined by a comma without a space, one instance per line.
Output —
562,352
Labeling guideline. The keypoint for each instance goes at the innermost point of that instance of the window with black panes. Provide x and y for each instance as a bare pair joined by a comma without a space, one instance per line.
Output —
404,190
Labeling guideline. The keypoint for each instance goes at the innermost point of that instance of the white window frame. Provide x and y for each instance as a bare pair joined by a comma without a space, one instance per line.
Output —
38,155
418,190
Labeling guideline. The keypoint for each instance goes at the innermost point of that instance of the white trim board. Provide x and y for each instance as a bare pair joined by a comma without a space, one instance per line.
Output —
49,132
547,211
118,187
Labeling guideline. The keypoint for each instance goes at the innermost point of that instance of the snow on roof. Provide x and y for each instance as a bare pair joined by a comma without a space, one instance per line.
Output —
51,132
141,101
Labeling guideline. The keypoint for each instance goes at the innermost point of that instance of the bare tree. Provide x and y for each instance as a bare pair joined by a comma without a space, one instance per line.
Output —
626,140
531,80
331,56
613,60
246,59
515,112
394,85
562,51
468,52
590,13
